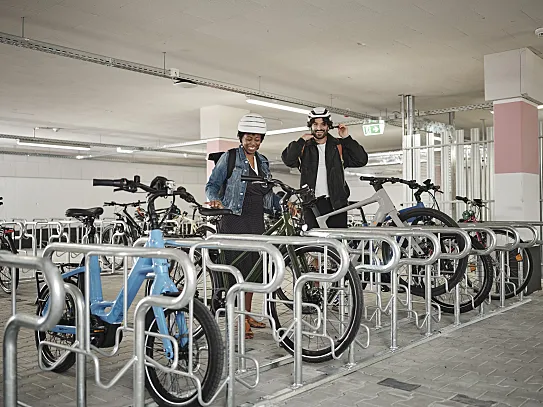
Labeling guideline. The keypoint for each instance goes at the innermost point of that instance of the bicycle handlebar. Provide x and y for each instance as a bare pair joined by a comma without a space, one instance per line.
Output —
134,204
303,191
428,186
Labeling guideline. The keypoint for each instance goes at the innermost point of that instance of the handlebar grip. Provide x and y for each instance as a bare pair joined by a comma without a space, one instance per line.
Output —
252,178
365,178
117,183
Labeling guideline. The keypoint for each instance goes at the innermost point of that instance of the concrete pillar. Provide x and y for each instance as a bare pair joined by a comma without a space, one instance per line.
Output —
219,126
516,157
514,82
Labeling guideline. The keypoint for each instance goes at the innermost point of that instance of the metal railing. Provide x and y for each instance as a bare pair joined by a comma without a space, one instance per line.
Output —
19,320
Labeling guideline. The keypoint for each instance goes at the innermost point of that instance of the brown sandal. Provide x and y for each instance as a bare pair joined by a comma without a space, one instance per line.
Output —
254,323
248,332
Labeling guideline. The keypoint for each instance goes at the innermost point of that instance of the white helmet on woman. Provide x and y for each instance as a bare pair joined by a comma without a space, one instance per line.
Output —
252,123
319,113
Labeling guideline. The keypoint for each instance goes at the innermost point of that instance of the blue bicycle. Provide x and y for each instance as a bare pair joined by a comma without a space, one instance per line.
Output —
167,389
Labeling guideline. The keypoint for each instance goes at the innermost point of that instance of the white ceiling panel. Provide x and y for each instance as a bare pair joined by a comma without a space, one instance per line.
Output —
360,53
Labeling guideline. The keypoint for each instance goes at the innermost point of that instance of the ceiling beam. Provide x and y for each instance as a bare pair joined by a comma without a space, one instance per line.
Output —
171,74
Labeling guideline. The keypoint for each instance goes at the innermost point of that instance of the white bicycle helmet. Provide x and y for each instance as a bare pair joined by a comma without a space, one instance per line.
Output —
319,113
252,123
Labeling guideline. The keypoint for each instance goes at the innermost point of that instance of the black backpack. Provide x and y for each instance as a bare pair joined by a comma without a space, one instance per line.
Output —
231,160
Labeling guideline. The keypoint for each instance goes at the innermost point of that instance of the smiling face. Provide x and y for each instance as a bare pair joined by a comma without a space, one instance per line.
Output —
251,142
319,129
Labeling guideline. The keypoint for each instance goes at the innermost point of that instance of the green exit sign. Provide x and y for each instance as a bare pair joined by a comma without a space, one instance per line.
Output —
373,129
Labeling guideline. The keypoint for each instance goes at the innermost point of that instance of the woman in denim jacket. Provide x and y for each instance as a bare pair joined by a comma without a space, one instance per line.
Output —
247,201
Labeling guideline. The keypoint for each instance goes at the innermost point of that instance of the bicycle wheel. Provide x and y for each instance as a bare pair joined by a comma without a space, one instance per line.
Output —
450,274
513,286
344,310
50,354
7,273
474,287
174,390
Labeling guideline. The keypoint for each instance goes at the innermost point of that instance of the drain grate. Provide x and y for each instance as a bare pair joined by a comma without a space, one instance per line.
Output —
462,398
396,384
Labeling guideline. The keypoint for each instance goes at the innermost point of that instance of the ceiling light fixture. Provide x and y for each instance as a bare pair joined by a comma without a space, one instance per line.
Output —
185,143
277,106
124,151
47,145
283,131
80,157
540,107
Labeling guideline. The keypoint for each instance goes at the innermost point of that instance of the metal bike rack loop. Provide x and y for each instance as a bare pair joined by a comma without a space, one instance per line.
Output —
142,307
18,321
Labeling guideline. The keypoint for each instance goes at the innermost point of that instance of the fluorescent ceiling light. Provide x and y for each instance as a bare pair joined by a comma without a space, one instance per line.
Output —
184,144
277,106
283,131
123,151
80,157
47,145
540,107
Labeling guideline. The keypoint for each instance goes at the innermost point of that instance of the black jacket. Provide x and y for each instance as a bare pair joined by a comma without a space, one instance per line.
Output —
307,162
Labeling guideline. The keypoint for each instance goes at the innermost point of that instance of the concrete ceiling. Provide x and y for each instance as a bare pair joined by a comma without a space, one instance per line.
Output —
355,54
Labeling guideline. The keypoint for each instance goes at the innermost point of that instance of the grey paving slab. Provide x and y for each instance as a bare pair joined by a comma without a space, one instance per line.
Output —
492,360
493,363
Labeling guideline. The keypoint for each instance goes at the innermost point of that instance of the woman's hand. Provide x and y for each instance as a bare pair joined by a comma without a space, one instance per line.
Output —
215,204
292,208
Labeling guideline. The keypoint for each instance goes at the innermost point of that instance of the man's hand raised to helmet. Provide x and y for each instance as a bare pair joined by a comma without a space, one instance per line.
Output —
307,137
342,131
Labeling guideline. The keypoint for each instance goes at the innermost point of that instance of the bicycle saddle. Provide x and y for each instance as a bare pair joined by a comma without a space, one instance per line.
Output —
214,212
87,213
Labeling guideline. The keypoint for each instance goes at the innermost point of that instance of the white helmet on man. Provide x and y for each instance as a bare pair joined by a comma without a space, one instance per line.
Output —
252,123
319,113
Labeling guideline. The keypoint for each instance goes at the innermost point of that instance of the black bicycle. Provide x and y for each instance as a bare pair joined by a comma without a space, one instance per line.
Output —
7,244
124,232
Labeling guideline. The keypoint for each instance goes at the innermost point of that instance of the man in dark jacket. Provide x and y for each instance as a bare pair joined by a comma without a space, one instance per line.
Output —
321,160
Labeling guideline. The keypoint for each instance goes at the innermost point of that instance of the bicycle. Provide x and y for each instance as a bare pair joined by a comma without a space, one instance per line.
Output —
7,243
298,261
106,317
514,287
124,232
388,215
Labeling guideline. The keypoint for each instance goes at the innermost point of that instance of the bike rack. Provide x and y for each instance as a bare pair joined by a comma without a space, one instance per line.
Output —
343,268
18,321
387,234
491,245
503,249
138,360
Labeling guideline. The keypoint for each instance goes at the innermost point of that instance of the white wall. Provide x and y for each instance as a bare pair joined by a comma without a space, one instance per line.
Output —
40,187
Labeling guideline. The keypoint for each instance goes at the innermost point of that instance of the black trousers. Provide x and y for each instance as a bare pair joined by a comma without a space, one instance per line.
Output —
324,206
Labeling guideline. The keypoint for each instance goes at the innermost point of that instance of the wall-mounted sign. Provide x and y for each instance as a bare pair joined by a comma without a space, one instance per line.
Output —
374,128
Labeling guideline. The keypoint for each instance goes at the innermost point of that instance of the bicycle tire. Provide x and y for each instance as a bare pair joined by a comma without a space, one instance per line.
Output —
39,336
482,293
422,214
8,245
213,373
513,270
341,344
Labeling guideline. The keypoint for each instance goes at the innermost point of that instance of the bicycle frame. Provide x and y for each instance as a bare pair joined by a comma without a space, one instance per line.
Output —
386,210
141,269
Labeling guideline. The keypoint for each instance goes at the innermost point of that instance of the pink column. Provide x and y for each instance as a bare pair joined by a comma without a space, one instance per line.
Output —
217,145
516,158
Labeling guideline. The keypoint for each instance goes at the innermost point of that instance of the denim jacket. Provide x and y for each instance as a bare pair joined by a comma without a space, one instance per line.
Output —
233,195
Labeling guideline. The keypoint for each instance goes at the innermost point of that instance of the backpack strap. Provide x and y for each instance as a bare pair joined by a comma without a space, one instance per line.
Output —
340,151
231,162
